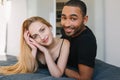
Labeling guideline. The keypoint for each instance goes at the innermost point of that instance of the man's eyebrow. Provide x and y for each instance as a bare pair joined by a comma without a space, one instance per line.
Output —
70,15
62,14
73,15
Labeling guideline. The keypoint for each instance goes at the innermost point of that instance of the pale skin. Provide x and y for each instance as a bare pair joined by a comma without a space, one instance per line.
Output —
42,39
71,20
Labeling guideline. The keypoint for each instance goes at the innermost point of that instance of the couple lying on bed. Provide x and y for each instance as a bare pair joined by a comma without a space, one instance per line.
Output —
39,49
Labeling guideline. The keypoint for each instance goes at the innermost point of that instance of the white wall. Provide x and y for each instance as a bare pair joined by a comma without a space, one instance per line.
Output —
45,9
95,14
99,28
3,24
61,0
20,10
112,31
104,18
18,14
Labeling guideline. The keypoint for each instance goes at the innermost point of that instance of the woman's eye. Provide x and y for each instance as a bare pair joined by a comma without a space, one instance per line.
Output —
34,36
43,29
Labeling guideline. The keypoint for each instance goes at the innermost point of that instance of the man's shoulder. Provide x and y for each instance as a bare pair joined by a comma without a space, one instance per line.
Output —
87,33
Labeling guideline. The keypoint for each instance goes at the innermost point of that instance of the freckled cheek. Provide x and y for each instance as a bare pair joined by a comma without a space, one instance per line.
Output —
48,32
51,36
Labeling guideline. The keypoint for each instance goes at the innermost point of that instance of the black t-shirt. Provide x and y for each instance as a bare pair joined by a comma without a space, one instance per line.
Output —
82,49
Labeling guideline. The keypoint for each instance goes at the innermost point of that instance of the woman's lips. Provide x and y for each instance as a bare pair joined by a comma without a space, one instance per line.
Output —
45,40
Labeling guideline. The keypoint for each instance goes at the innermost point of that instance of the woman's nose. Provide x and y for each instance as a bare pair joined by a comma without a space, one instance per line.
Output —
41,37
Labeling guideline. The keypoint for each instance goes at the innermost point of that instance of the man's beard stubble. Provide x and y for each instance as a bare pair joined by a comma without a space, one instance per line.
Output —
79,30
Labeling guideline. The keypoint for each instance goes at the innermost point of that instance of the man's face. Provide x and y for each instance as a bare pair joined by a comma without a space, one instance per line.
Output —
72,20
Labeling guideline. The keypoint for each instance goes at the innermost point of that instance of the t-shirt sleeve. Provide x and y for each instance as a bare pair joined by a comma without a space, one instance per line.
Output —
87,49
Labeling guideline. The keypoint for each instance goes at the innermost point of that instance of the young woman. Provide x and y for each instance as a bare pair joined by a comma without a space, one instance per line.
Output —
39,48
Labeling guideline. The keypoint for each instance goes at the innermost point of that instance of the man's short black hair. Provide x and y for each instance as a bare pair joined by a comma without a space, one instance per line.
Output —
77,3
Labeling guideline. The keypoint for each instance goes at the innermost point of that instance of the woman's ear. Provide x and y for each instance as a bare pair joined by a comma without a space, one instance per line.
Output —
50,28
85,19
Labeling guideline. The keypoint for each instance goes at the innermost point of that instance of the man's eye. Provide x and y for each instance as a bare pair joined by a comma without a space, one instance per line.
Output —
63,18
73,19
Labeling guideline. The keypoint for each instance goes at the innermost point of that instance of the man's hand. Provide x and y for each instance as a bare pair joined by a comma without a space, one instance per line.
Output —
84,73
72,74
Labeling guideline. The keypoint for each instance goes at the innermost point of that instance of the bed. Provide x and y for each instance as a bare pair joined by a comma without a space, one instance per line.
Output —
39,75
103,71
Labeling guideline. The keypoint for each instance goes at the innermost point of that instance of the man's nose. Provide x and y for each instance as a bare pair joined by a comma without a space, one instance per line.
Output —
67,23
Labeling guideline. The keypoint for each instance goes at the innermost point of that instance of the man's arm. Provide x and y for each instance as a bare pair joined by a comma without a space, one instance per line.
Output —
72,74
85,73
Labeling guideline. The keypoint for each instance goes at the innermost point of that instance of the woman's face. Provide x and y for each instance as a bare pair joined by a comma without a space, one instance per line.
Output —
41,33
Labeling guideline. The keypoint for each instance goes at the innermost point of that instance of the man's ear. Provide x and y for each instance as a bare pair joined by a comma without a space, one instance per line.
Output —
85,19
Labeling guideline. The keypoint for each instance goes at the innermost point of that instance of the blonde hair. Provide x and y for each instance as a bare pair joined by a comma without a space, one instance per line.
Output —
26,62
